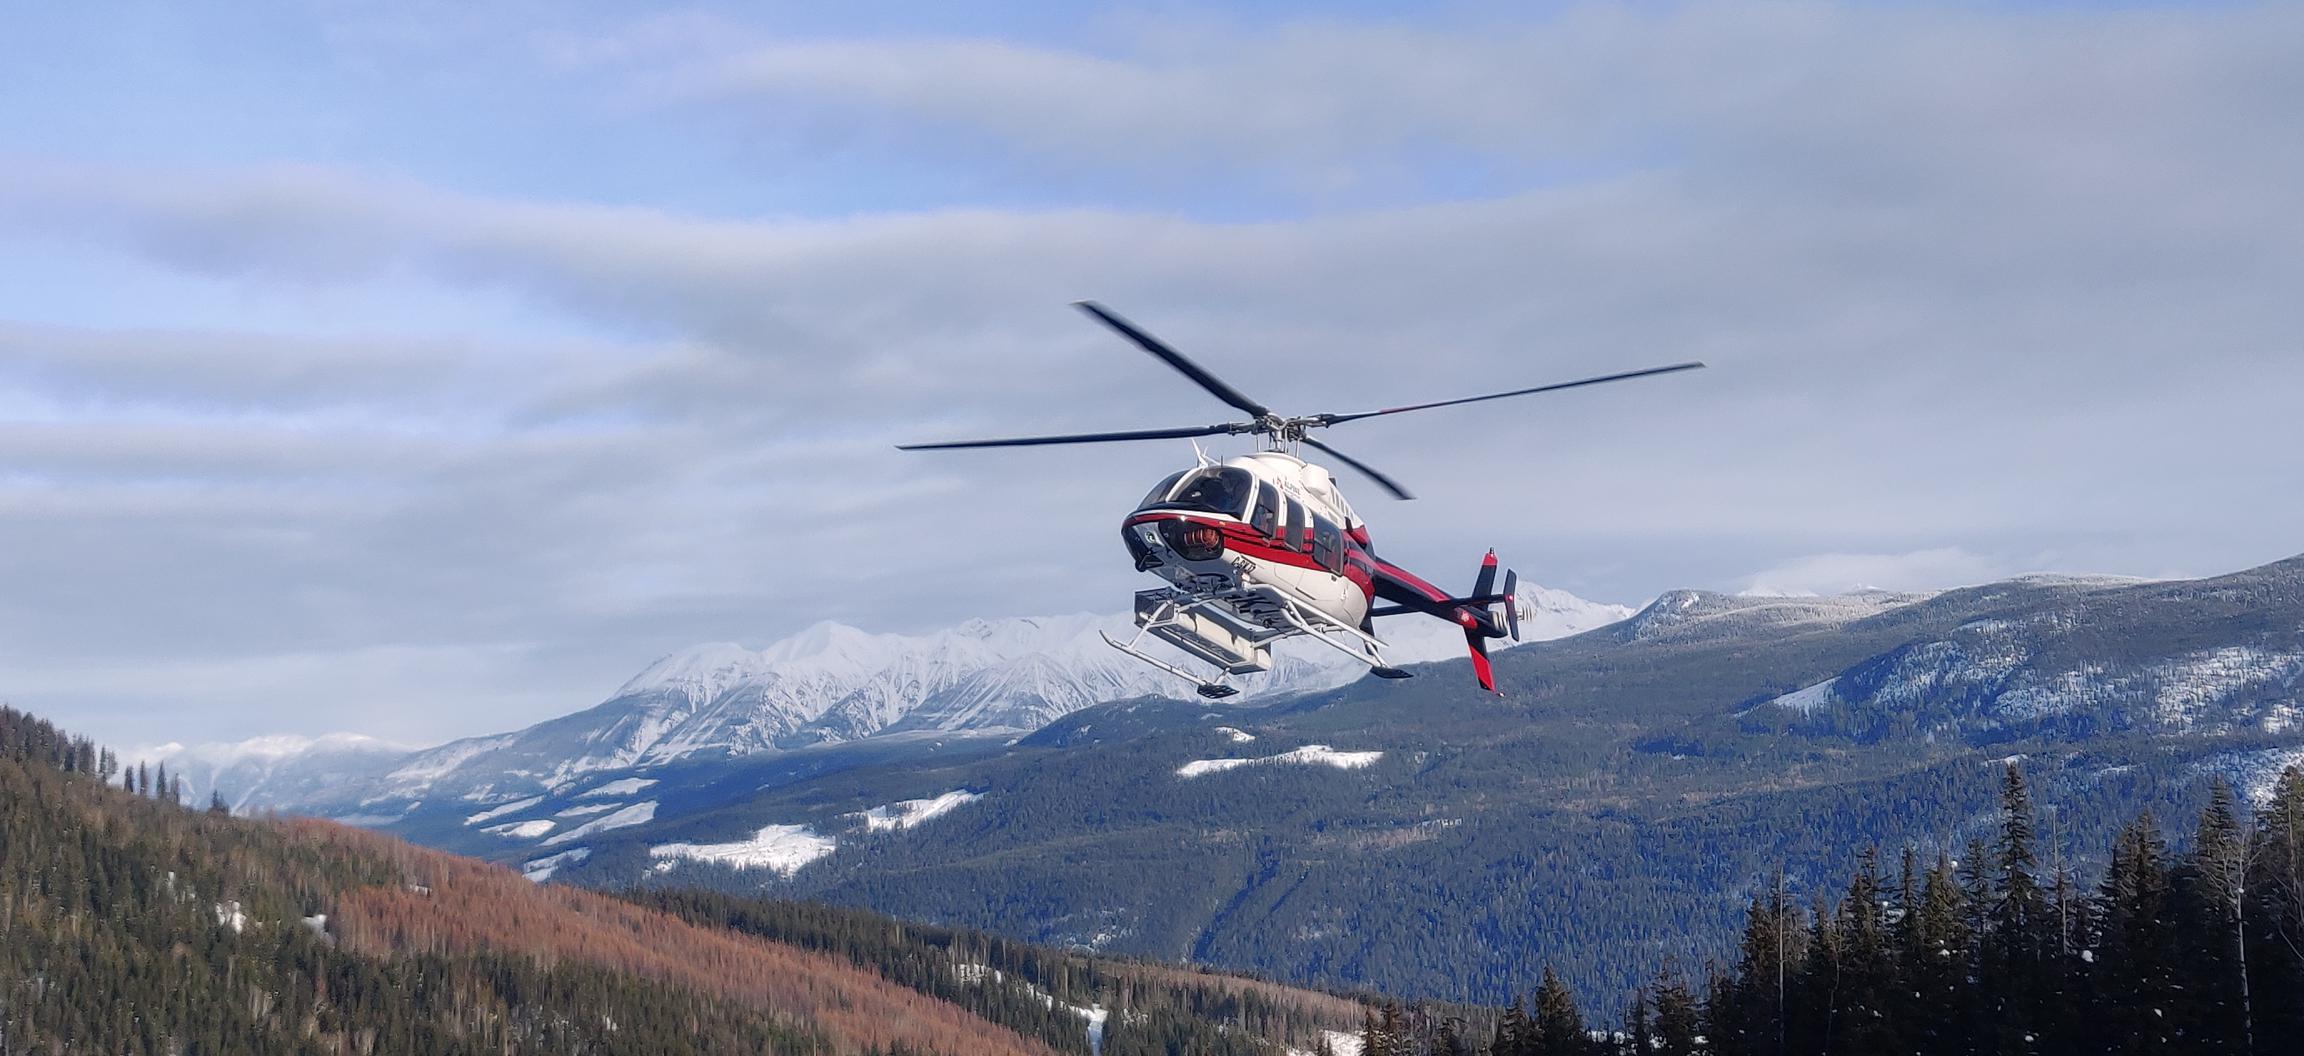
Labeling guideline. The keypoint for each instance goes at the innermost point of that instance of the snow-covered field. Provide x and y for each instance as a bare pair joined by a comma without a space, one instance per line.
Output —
538,870
904,814
521,830
625,787
636,814
508,808
1310,754
783,848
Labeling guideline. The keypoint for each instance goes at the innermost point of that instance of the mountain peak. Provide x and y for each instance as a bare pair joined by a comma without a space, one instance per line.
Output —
834,682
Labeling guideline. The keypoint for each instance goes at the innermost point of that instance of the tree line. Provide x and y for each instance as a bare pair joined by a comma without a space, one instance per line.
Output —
1993,951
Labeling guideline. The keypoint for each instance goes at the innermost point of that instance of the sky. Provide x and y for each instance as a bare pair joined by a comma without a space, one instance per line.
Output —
427,369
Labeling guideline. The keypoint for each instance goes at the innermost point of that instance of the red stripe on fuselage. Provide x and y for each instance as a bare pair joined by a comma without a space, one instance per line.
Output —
1244,539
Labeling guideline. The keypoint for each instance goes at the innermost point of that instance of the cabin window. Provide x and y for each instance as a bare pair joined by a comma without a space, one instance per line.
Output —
1267,516
1159,492
1327,544
1224,490
1299,526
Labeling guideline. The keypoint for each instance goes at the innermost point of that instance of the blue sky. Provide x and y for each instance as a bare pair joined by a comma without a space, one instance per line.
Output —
424,370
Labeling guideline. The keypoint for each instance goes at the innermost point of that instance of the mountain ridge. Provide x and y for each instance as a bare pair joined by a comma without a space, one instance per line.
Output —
829,683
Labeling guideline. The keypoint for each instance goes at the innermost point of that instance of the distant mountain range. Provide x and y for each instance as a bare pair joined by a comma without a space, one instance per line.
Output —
829,684
1632,781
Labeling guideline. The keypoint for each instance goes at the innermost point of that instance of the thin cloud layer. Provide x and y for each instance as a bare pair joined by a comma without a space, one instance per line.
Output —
1981,290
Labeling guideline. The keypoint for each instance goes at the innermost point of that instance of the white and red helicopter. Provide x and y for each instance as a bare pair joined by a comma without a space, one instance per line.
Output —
1263,547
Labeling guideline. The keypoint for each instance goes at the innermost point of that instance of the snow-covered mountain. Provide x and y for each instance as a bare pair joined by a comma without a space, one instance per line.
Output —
832,683
828,684
276,770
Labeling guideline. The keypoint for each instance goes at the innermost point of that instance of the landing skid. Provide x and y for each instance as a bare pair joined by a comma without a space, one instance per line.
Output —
1211,627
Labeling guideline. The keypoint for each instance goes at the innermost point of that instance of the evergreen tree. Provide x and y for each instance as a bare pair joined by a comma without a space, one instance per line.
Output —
216,803
1638,1033
1677,1021
1448,1040
1867,964
1514,1034
2275,909
1750,1014
2013,969
1559,1027
2135,974
2063,1025
2211,889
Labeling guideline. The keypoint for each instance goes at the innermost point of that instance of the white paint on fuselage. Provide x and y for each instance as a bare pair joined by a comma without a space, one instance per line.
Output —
1302,481
1310,487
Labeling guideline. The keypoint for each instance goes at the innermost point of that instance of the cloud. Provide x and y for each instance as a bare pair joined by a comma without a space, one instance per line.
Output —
1305,101
1920,570
1972,284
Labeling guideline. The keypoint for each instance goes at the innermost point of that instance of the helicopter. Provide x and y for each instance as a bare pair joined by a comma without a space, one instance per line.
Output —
1263,547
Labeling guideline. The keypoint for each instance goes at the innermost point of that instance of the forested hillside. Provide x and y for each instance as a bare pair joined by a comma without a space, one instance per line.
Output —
1999,949
131,924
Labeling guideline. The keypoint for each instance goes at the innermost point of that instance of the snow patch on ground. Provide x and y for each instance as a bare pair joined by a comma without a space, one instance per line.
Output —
538,870
2252,774
906,813
1095,1016
522,830
636,814
228,914
368,821
626,787
508,808
1807,701
588,808
1307,755
783,848
1340,1042
1239,736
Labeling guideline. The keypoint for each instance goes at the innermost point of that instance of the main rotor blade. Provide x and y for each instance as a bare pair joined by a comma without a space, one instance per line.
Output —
1086,438
1332,419
1173,358
1367,470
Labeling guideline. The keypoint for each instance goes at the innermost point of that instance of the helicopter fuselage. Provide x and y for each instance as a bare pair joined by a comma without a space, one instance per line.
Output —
1271,520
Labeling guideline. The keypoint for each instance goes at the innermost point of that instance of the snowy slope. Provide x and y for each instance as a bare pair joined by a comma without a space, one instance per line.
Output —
833,683
313,773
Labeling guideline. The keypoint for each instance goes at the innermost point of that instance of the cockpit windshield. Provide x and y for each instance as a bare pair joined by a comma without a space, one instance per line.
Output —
1221,490
1159,492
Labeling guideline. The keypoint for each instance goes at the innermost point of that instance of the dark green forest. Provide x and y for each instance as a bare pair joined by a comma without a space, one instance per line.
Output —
1997,950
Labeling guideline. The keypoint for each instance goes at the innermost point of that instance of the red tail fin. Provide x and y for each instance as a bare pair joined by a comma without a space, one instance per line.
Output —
1478,643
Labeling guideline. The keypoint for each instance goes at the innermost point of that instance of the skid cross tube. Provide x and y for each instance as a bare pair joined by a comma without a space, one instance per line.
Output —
1298,619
